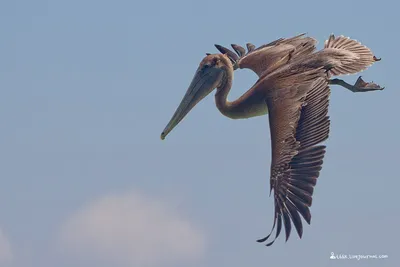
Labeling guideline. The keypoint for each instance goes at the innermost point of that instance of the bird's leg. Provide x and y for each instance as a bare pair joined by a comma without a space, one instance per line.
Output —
359,86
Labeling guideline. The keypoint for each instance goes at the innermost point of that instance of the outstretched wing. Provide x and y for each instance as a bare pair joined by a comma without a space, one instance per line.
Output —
298,107
267,58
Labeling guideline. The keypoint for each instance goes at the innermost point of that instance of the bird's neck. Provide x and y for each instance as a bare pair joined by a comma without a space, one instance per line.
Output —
250,104
221,96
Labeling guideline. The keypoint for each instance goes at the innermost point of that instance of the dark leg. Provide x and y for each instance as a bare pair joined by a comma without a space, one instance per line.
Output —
359,86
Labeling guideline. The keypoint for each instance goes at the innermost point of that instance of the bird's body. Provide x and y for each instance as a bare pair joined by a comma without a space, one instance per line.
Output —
293,89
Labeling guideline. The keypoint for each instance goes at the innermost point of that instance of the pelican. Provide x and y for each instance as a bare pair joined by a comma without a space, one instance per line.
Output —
293,88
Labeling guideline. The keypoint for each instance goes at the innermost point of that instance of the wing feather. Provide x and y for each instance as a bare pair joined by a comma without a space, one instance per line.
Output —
269,57
298,107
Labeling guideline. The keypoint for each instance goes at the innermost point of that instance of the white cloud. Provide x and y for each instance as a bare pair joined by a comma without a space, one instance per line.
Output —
5,249
132,229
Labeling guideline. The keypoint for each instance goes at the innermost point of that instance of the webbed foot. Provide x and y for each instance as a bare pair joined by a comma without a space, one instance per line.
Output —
361,85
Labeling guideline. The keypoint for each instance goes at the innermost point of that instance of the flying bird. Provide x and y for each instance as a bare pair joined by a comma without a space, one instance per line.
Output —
293,88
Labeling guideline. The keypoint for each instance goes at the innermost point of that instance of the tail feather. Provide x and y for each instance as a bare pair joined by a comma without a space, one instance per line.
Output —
351,55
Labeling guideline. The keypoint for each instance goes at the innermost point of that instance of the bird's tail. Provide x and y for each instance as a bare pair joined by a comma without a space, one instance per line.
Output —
349,55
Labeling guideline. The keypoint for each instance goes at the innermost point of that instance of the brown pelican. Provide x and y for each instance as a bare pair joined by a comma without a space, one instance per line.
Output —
293,89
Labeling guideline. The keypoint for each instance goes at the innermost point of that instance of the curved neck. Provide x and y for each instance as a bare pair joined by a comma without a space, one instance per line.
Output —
221,96
248,105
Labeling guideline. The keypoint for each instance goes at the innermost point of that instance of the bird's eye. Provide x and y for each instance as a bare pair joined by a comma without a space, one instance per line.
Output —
206,66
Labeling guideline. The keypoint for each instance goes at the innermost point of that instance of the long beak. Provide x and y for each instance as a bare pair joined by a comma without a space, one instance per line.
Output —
202,84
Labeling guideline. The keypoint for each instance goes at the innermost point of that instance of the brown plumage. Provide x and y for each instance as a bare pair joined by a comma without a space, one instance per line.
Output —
293,89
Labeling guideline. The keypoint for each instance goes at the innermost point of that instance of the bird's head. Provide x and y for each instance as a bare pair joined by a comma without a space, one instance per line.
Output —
209,75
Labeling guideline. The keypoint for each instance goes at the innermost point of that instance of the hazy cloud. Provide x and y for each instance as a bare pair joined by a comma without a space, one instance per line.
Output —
5,249
132,229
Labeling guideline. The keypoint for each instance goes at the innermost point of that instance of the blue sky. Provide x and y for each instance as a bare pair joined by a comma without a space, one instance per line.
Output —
88,86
